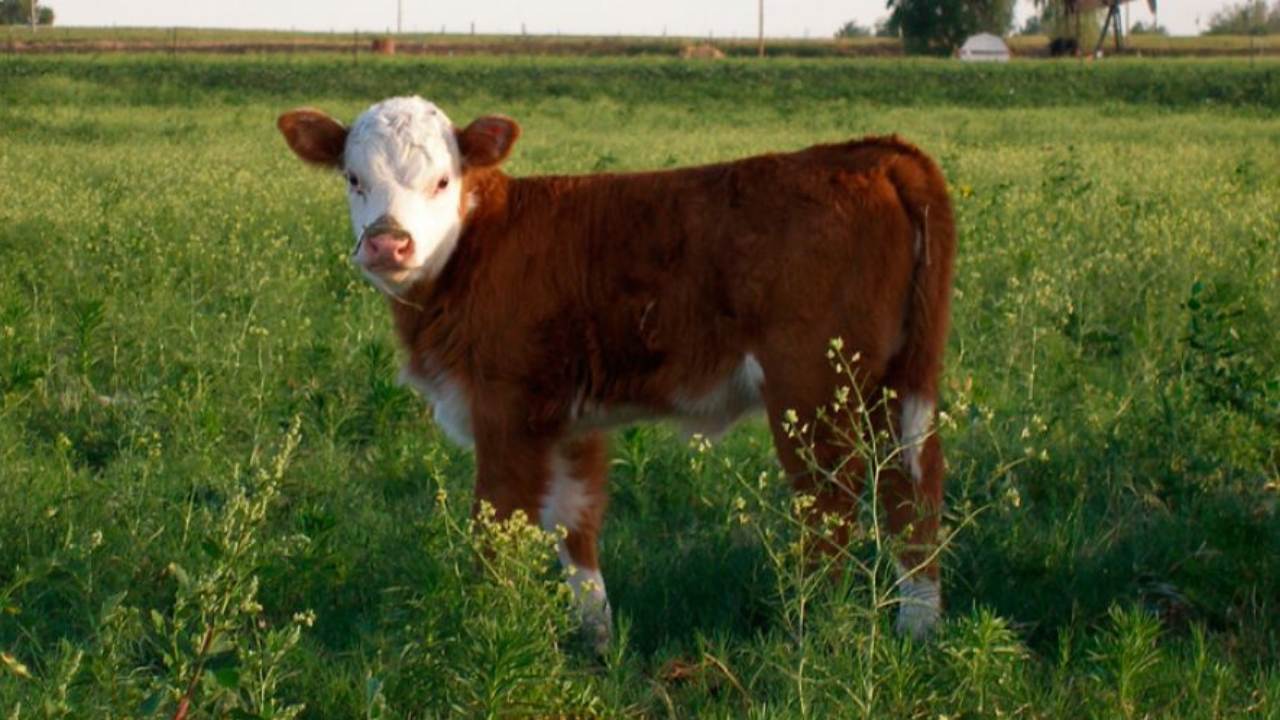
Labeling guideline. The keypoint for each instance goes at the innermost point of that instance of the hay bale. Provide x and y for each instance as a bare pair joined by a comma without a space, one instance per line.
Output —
704,51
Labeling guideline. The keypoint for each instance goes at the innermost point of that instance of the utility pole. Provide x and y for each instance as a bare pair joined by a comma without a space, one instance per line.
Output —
35,14
399,17
760,27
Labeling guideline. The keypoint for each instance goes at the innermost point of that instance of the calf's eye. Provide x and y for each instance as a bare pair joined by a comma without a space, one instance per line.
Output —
444,183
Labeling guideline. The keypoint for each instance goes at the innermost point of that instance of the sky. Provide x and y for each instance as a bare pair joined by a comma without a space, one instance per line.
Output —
696,18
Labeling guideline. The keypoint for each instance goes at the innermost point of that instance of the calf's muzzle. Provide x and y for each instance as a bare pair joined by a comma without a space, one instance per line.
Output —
384,243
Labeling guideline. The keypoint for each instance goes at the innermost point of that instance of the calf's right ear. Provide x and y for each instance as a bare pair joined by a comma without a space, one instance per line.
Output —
314,136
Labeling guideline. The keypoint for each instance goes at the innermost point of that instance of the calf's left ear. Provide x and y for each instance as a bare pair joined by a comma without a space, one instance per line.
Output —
488,140
314,136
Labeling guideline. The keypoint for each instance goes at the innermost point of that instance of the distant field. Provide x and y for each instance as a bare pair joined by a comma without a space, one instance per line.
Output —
214,489
74,39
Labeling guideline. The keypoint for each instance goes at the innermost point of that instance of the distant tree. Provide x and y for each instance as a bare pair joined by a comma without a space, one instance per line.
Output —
1060,25
1152,29
852,29
1033,26
884,29
1247,18
938,27
18,12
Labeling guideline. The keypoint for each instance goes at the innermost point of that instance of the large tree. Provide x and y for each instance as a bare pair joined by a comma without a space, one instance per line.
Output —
18,12
938,27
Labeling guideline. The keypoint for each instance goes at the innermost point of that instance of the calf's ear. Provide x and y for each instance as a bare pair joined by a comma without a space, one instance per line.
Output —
314,136
488,140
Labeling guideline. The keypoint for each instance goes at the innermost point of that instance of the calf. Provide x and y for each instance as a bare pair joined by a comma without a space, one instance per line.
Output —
538,312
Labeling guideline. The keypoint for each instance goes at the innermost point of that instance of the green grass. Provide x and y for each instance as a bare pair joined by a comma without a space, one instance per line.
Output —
783,86
279,40
176,314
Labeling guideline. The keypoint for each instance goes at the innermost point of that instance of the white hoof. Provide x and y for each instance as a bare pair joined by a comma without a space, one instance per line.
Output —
919,608
597,628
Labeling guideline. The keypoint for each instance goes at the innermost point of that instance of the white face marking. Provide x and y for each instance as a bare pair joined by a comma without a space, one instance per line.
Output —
449,405
563,506
917,421
919,603
715,410
403,166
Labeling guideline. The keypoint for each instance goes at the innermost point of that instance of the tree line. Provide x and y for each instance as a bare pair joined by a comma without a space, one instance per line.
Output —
18,12
938,27
1251,17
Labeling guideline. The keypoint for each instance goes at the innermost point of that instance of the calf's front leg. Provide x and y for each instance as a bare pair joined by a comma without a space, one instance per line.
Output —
560,484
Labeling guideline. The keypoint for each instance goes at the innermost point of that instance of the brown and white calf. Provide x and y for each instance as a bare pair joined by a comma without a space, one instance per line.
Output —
537,312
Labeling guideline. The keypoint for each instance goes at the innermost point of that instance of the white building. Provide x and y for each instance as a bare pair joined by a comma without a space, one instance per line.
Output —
984,47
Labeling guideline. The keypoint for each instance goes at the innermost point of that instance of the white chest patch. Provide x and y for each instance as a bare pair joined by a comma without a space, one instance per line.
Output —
449,404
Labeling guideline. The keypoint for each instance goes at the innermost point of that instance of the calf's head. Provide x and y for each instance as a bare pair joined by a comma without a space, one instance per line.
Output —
406,169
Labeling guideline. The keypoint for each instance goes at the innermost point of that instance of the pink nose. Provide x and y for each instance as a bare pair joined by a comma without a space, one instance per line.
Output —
385,249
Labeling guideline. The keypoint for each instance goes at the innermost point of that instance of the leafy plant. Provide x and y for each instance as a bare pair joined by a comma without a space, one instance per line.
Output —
1130,654
1220,360
503,650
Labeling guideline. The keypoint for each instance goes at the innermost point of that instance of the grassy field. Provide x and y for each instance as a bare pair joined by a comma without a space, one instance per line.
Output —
79,39
214,491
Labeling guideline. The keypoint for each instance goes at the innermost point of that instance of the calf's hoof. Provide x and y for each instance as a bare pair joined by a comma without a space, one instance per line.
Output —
919,607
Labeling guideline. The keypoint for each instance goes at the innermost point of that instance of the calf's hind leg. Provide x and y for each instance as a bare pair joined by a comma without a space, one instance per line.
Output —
909,485
911,491
810,449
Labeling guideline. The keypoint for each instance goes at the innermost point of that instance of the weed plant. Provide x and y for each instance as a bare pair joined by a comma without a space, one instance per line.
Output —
217,501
